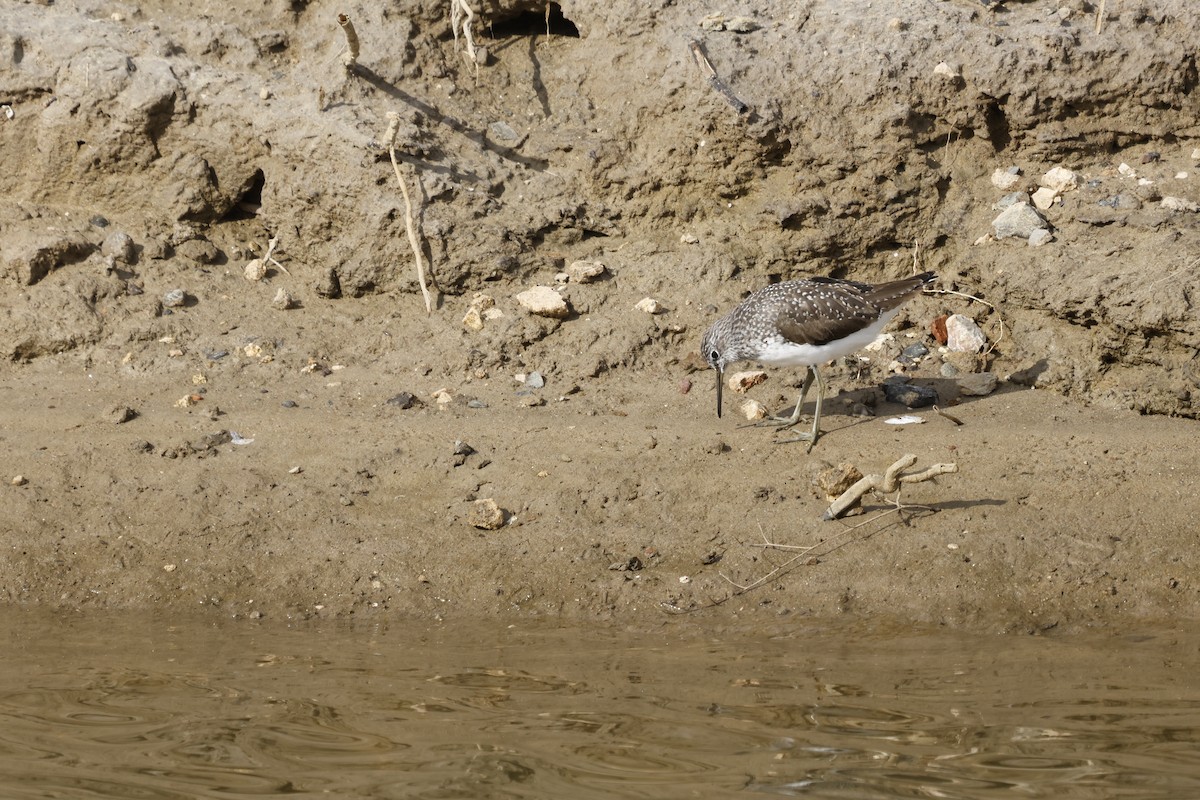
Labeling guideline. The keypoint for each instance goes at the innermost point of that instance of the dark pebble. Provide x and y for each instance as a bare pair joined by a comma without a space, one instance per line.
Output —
910,395
99,221
288,404
215,355
914,352
473,403
403,401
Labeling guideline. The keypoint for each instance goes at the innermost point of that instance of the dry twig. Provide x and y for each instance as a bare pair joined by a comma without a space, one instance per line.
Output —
461,16
350,58
713,80
390,138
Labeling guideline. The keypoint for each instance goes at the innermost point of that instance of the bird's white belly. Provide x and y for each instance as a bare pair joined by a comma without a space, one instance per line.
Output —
782,353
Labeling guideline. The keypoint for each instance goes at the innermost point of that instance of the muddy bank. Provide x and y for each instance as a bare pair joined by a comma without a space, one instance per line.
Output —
158,148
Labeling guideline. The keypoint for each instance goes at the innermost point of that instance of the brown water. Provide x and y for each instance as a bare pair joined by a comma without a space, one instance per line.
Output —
119,706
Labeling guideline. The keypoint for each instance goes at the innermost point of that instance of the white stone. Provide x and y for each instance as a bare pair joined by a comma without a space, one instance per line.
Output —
1196,154
1018,220
689,238
1060,180
1179,204
1126,170
585,271
1040,237
649,305
742,25
544,302
1004,179
741,382
478,311
473,320
1044,198
256,270
946,70
282,300
753,410
1181,176
963,335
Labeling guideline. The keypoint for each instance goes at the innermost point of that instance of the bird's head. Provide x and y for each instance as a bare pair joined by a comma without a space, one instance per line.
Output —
715,351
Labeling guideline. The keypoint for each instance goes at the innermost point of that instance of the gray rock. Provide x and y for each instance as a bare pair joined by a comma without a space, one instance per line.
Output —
1019,220
503,131
1010,199
1040,237
119,246
979,384
914,352
176,298
120,414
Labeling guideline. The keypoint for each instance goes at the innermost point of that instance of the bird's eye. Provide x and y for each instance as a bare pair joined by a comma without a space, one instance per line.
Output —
714,356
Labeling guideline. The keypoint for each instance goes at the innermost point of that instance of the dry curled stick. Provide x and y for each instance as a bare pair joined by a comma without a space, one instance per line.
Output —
887,483
390,138
713,80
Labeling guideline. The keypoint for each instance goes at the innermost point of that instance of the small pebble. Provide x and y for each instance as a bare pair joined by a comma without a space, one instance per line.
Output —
753,410
174,298
403,401
1040,237
486,515
585,271
19,480
1004,179
288,404
120,414
256,270
946,70
534,380
295,470
543,301
282,300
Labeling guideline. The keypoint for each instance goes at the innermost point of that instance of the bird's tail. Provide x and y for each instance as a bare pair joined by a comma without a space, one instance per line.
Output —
893,293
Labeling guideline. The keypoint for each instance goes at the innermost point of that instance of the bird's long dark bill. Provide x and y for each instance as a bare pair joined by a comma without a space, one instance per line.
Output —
720,383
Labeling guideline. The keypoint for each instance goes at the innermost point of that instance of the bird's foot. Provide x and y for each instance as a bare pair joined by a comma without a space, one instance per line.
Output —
778,421
807,436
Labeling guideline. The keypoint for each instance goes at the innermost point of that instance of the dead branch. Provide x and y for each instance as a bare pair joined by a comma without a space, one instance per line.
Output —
887,483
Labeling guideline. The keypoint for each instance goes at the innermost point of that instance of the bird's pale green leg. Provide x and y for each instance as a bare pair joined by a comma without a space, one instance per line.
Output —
811,437
787,422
